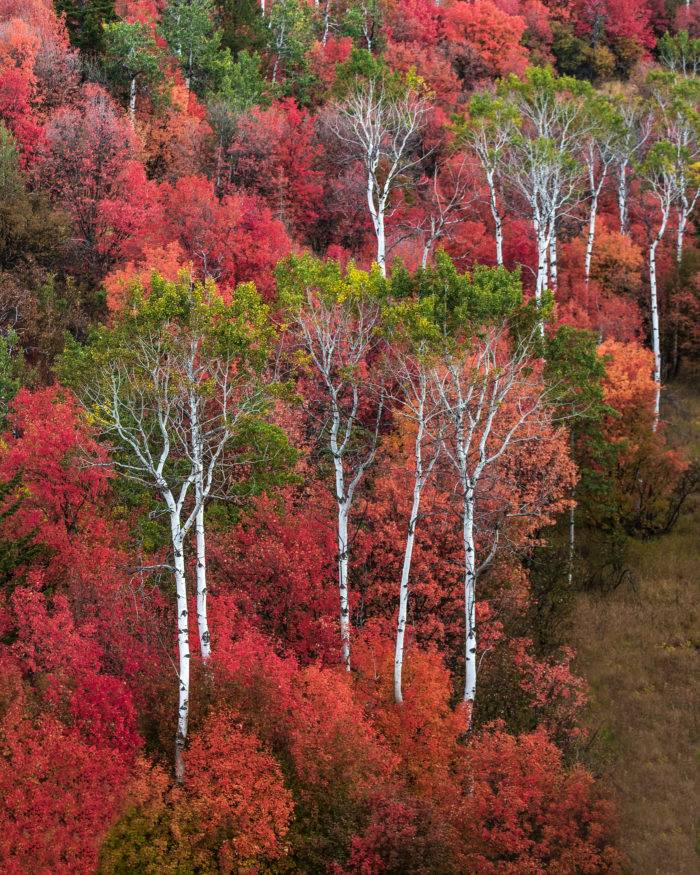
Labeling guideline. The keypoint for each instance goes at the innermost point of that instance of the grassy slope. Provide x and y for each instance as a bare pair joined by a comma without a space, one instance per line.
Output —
639,653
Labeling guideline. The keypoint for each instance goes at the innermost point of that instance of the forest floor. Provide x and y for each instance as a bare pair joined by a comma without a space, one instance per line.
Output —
639,651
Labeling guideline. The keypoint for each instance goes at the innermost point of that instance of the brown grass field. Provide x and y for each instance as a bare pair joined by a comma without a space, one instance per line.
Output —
638,649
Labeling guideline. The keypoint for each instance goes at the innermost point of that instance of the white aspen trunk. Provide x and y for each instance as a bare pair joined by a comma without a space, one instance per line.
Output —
183,644
132,98
497,221
469,603
553,267
326,21
406,568
188,77
655,341
381,243
202,617
682,219
343,547
343,513
377,214
200,537
622,197
572,542
591,236
541,283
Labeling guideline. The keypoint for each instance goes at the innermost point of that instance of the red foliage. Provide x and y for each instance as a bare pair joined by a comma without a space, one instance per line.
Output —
89,166
64,471
234,239
484,40
526,813
238,793
60,795
16,111
274,154
284,563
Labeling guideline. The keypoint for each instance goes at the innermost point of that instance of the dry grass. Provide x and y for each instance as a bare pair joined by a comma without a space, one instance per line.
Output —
639,653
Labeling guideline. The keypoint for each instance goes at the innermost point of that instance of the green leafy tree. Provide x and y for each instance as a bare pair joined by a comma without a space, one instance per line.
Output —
575,372
680,53
132,59
175,383
85,20
188,28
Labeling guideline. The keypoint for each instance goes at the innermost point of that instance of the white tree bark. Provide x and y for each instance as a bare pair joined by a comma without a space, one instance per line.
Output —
592,215
553,263
132,98
343,545
472,395
622,195
496,214
338,340
469,599
183,641
655,338
381,131
415,390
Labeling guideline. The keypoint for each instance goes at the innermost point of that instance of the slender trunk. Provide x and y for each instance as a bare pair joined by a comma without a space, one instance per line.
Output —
188,77
343,513
429,243
497,220
541,283
343,547
326,22
406,569
622,197
200,539
655,341
572,542
469,604
183,645
132,98
377,214
591,236
553,266
202,617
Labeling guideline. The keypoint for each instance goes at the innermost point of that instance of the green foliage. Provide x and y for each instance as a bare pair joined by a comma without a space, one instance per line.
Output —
575,57
18,550
361,66
131,53
29,228
299,276
243,26
188,28
363,22
85,20
680,52
243,84
157,330
291,34
461,302
11,367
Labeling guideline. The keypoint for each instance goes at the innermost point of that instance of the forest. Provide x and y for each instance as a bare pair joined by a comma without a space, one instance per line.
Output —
335,337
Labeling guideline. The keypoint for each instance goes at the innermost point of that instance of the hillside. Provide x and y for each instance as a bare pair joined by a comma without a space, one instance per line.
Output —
638,649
